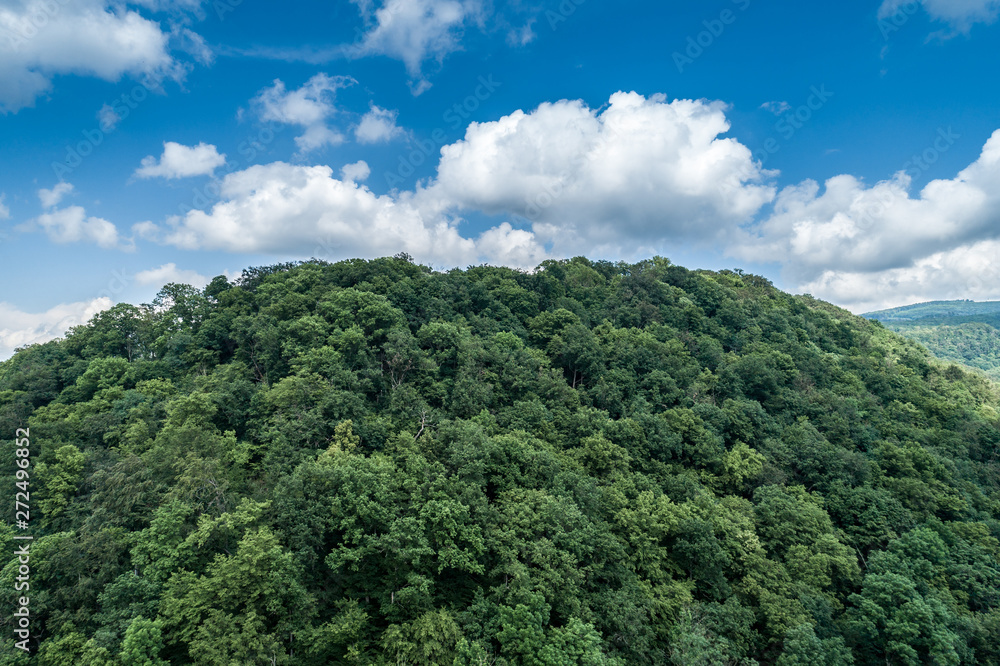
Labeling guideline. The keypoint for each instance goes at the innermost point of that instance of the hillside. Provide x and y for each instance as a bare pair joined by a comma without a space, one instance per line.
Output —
971,310
963,332
972,344
370,462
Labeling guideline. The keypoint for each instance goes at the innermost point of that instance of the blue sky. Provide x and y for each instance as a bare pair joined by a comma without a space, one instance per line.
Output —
844,150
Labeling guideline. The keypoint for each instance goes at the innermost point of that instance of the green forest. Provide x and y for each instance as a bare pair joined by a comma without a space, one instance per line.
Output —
591,463
963,332
972,344
978,310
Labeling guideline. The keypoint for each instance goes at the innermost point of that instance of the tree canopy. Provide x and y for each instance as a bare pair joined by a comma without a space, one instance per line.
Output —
592,463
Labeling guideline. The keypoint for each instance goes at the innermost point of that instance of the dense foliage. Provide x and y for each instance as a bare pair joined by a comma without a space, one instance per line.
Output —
963,332
974,344
370,462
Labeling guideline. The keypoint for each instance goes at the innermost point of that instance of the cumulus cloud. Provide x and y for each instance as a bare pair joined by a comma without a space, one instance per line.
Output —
52,198
777,108
860,228
108,118
959,14
284,209
4,210
378,126
309,107
72,225
512,247
179,161
522,36
193,44
168,273
21,328
970,271
357,172
416,31
873,246
639,174
95,38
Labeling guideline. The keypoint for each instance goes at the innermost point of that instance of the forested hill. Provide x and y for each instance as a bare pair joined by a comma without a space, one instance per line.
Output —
938,310
964,332
370,462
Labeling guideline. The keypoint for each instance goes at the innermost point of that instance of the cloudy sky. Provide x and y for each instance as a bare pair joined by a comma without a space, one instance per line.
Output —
848,150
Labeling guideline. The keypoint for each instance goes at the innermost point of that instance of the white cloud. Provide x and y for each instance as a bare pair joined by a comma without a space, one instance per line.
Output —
193,44
857,228
85,37
51,198
378,126
284,209
21,328
168,273
640,173
357,172
959,14
512,247
777,108
147,230
71,225
4,210
870,247
970,271
522,36
415,31
108,118
309,107
179,161
638,176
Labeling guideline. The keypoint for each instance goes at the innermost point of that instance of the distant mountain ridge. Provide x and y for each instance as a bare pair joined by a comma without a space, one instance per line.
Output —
936,310
964,332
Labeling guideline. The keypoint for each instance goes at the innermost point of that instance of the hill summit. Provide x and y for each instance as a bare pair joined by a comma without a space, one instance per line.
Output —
595,463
